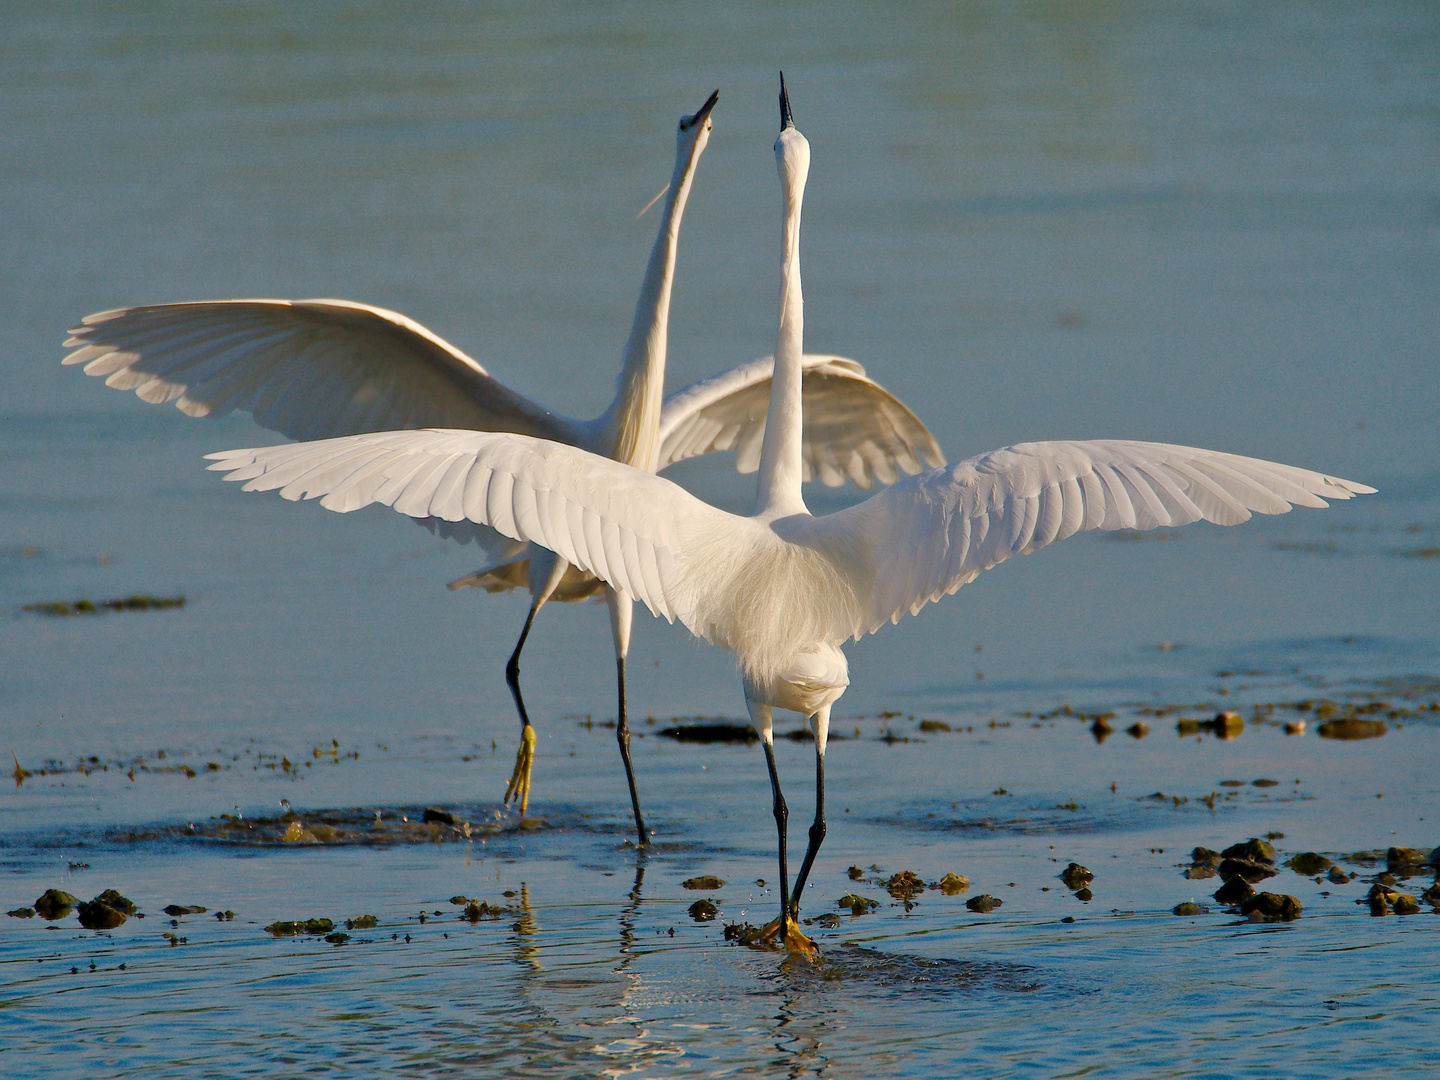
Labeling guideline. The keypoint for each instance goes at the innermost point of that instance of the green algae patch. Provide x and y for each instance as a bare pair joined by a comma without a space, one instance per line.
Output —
295,927
138,602
704,881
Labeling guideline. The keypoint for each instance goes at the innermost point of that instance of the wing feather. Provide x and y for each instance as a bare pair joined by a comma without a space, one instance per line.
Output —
308,369
960,520
854,428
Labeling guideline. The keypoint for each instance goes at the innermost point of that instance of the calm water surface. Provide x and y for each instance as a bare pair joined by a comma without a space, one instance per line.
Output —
1202,224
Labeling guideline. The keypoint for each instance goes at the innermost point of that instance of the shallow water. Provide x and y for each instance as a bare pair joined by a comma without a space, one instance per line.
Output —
1200,223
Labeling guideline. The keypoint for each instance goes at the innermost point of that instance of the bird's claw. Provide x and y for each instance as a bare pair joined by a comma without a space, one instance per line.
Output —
779,934
519,786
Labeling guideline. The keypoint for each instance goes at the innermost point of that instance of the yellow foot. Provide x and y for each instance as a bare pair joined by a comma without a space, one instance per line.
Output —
787,936
519,786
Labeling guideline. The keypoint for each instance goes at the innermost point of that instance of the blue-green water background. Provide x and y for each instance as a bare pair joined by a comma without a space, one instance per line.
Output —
1206,223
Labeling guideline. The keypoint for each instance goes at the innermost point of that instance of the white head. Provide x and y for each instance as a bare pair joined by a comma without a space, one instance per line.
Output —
693,134
792,154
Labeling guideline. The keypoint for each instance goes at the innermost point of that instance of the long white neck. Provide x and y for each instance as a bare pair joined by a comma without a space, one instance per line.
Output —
781,469
633,421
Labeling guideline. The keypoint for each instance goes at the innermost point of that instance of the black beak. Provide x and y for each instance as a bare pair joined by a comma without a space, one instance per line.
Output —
702,112
786,120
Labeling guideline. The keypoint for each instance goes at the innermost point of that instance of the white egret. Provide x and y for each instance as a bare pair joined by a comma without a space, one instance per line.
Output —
781,588
313,369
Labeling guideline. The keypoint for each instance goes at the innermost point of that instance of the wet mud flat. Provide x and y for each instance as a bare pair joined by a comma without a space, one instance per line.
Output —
1003,890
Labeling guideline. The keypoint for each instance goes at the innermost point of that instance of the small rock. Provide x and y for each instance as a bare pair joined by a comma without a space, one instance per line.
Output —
1188,909
854,872
440,817
21,913
1198,873
1404,858
954,884
1203,856
1244,868
1076,876
829,920
1336,876
1430,895
55,904
361,922
1235,891
1138,730
858,905
98,915
176,910
906,885
1271,907
703,910
1405,904
1352,727
1084,895
474,911
1309,863
934,727
1255,849
289,928
705,881
983,903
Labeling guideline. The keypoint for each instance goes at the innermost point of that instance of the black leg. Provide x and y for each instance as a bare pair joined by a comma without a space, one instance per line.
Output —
519,786
817,834
512,667
782,816
622,735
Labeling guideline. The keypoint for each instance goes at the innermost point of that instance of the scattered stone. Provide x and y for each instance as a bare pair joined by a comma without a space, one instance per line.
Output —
829,920
906,885
1309,863
1245,868
704,881
934,727
1203,856
711,733
361,922
21,913
1430,895
983,904
1188,909
1405,904
954,884
440,817
1295,727
1138,730
1101,729
1076,876
55,904
1226,725
97,914
703,910
1352,727
289,928
1406,859
858,905
1256,850
1271,907
474,911
1235,891
1084,895
65,608
1339,877
176,910
854,873
1197,873
337,938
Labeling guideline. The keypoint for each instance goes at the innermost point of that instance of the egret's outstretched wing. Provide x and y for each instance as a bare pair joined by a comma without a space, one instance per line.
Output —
854,428
624,525
926,536
308,369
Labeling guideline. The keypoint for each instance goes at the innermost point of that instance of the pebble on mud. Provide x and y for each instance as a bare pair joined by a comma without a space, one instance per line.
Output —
105,912
1352,727
906,885
1245,868
1235,891
1255,849
1076,877
954,884
704,881
176,910
289,928
1309,863
983,904
858,905
1271,907
703,910
1188,909
55,904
